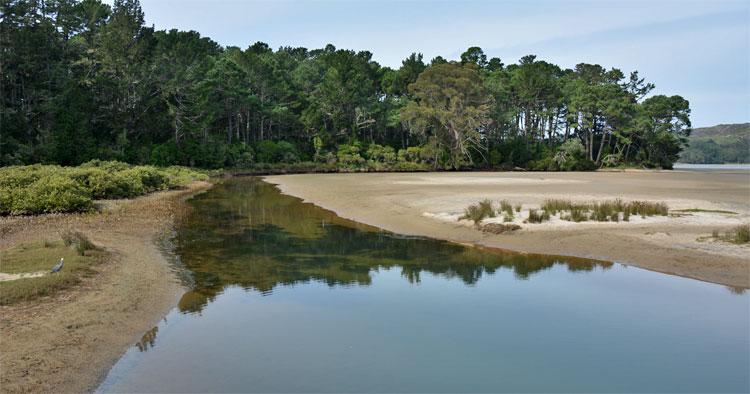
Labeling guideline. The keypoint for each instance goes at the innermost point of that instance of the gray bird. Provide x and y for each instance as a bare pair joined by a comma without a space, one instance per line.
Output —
58,266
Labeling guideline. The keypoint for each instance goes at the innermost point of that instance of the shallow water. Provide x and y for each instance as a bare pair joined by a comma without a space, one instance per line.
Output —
711,167
290,298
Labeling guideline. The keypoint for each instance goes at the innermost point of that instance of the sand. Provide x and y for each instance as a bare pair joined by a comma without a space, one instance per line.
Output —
429,204
68,342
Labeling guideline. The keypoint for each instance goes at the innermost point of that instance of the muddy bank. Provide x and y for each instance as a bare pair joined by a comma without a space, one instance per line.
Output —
67,343
428,204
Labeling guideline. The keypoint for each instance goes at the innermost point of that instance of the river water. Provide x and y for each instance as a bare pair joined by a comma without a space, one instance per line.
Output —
288,297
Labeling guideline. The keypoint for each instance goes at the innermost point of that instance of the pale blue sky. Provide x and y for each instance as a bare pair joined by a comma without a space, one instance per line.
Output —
698,49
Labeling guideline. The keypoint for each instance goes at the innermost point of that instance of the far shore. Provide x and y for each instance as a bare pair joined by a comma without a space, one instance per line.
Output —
69,341
429,204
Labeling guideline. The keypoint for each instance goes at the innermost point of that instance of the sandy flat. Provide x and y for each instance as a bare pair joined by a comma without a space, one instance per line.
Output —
429,204
68,342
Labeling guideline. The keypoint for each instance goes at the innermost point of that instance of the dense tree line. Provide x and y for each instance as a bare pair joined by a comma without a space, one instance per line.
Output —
83,80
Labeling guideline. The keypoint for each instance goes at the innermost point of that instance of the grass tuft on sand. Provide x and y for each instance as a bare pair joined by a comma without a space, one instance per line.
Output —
604,211
479,211
41,257
739,234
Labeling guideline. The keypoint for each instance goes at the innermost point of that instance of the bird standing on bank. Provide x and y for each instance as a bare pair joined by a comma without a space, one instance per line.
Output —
58,266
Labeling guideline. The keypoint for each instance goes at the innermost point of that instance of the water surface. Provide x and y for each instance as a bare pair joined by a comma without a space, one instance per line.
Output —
289,297
711,167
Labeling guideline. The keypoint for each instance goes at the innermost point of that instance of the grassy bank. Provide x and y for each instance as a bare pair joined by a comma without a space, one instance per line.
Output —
37,259
35,189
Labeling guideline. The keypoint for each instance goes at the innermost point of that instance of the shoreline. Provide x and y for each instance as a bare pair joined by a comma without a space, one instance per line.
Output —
69,341
426,204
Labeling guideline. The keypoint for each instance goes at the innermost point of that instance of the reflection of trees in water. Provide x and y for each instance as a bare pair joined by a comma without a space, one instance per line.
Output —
245,233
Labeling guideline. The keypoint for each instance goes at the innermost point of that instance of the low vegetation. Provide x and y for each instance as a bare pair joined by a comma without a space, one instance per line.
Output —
479,211
536,216
604,211
39,258
77,241
35,189
739,234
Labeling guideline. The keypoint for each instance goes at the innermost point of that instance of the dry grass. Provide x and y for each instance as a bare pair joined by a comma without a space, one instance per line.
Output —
77,241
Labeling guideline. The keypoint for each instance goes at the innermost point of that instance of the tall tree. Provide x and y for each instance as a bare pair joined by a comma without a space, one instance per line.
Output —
451,103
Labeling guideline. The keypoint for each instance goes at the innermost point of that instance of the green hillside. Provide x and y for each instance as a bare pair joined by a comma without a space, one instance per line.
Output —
724,143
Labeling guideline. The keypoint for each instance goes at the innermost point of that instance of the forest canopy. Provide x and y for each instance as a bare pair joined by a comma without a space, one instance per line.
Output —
82,80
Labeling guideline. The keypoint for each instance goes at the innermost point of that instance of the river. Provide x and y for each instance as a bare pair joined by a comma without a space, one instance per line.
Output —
288,297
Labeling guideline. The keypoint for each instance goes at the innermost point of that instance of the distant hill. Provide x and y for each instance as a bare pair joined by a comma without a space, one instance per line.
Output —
724,143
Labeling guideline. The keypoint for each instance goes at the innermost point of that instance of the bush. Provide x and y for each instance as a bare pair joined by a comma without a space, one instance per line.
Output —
348,157
50,194
276,152
417,154
50,189
103,185
106,165
381,154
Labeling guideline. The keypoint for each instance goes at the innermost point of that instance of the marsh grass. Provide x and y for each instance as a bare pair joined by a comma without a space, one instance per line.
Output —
36,257
518,207
506,207
537,216
739,234
487,208
603,211
478,212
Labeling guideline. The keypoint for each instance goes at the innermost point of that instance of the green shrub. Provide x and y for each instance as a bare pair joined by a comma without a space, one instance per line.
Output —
276,152
106,165
22,176
381,154
348,157
50,194
48,189
180,176
151,178
6,200
108,185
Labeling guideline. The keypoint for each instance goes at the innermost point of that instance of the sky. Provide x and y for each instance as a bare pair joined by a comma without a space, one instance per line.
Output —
697,49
